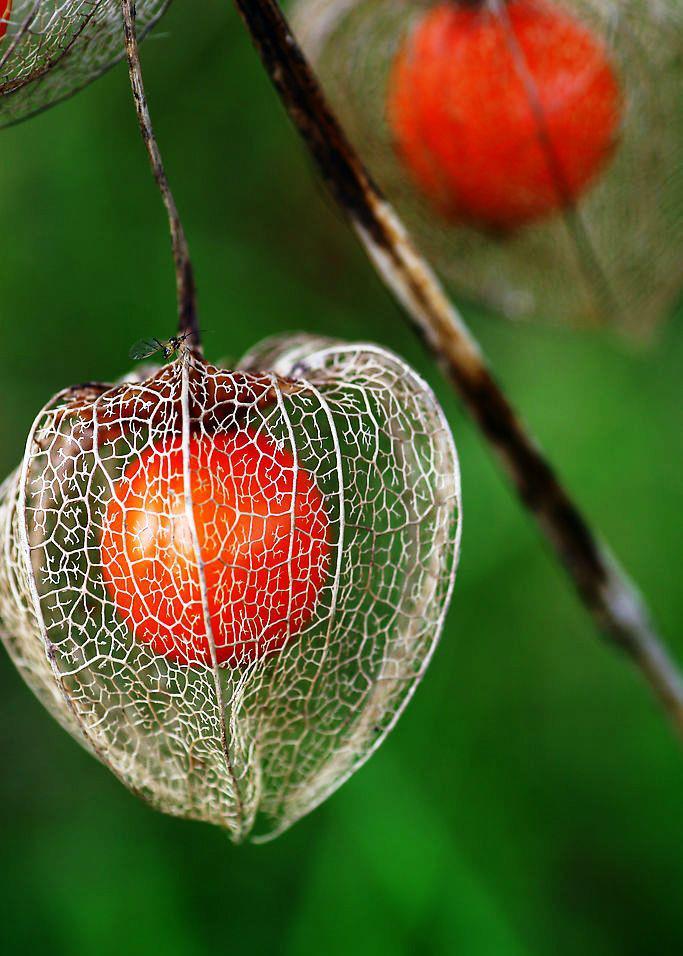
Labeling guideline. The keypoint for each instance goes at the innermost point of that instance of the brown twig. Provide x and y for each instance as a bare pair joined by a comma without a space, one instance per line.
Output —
185,284
605,590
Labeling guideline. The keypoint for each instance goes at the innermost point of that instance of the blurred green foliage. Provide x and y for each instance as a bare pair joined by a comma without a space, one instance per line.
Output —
530,801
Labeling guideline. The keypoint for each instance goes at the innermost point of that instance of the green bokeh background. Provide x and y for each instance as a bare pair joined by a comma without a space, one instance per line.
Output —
531,799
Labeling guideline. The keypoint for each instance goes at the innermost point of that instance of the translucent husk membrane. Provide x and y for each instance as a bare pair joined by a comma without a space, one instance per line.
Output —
54,47
617,256
276,734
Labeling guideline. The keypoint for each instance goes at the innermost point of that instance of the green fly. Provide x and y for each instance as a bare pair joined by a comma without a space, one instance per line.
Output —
145,348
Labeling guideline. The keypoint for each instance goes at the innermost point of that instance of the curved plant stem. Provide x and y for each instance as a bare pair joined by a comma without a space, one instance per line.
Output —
185,285
608,594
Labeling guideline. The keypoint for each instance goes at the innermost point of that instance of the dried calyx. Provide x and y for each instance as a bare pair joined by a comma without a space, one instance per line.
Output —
216,398
227,584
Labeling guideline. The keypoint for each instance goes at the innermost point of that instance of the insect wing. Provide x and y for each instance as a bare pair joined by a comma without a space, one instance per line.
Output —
144,348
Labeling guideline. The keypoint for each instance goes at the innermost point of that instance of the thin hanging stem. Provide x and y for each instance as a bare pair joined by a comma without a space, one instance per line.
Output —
185,285
607,593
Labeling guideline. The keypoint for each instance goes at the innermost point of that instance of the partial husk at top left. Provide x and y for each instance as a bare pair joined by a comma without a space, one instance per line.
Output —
53,48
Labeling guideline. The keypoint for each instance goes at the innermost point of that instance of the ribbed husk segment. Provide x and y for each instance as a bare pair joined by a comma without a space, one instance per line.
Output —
275,733
616,256
54,47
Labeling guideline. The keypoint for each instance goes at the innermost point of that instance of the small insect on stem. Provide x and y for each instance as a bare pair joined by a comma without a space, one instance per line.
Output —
145,348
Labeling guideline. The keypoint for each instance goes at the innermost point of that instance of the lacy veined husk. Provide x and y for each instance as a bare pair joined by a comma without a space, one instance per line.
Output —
53,48
273,736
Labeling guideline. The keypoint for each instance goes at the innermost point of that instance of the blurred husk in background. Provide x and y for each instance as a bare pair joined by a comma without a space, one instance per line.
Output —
529,800
613,256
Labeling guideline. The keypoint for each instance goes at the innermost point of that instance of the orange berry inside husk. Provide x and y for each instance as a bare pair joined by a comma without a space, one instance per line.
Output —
502,116
257,564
